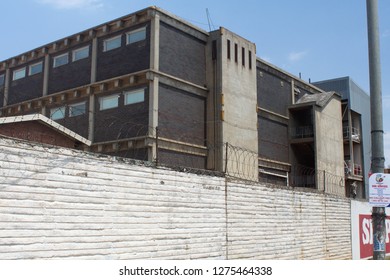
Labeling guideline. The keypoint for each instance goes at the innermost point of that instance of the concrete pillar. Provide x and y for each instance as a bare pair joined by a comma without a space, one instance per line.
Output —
94,60
91,111
46,71
154,82
91,118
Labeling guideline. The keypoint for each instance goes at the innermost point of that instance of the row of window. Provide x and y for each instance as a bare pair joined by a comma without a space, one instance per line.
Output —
24,71
78,54
105,102
74,110
130,97
131,37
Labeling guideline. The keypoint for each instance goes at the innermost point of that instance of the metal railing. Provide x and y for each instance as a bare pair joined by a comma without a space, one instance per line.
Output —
352,168
351,131
302,132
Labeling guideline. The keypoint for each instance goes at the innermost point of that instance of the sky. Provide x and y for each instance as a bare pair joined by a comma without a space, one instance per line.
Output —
319,39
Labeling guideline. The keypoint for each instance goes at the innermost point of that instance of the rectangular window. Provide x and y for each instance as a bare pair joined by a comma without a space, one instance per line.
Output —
112,43
108,102
243,56
57,113
235,52
35,68
61,60
2,80
19,74
77,109
132,97
228,49
250,59
80,53
136,36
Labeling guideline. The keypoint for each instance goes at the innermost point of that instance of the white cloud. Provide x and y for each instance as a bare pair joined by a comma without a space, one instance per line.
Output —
296,56
72,4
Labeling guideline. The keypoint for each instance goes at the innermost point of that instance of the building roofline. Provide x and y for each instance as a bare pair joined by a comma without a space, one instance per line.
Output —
93,30
288,74
48,122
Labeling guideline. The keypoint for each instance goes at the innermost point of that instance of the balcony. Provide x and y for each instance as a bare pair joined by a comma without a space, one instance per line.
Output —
352,132
302,134
352,169
303,177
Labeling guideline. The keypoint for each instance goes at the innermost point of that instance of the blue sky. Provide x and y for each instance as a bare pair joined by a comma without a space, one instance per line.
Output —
321,39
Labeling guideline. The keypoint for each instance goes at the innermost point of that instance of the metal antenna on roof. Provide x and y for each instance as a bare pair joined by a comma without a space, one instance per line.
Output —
209,19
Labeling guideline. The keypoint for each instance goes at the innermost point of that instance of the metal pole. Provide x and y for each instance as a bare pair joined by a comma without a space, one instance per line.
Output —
378,160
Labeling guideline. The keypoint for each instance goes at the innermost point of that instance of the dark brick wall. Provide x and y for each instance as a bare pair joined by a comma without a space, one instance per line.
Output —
1,97
273,92
26,88
78,124
181,115
36,132
2,90
126,59
273,140
182,56
121,122
172,158
71,75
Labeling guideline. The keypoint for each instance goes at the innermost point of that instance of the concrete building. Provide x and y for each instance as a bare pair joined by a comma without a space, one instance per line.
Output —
356,133
154,87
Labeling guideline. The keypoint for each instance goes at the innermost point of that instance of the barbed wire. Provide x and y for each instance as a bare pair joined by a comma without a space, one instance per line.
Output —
184,147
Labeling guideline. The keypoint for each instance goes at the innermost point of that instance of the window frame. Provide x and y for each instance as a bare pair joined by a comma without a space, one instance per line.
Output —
132,32
20,70
60,56
81,112
74,58
30,68
2,79
105,41
137,93
108,97
53,111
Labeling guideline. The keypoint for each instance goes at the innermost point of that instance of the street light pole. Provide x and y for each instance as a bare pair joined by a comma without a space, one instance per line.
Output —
378,159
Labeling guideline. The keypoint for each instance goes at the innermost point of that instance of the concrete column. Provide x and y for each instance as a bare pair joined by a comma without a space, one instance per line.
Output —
292,92
91,111
94,60
153,115
154,82
91,118
46,71
155,43
6,86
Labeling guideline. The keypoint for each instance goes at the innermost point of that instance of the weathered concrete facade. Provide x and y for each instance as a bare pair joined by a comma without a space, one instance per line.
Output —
157,88
232,98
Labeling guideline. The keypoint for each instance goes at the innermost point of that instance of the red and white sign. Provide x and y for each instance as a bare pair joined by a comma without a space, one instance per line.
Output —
366,236
362,230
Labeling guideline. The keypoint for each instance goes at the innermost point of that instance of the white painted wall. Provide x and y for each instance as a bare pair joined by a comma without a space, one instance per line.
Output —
280,223
60,203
